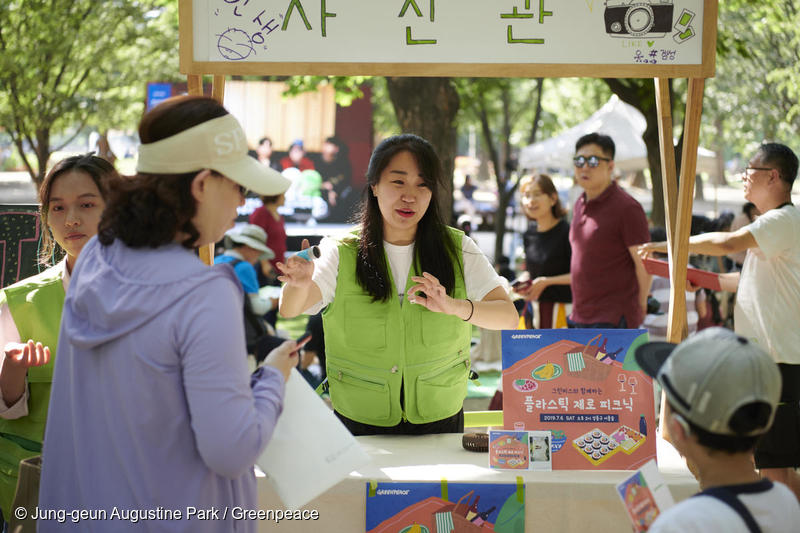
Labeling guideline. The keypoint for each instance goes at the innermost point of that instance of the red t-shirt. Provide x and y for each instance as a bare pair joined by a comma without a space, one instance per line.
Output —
305,163
276,232
604,284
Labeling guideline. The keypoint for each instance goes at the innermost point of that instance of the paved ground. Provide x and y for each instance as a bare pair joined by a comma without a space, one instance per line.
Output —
17,188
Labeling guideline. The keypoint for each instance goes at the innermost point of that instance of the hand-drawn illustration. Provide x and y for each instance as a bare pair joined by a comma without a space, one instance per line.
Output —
235,44
636,18
685,31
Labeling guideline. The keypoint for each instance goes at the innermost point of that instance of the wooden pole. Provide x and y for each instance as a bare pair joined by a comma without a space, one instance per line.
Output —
195,86
669,184
679,247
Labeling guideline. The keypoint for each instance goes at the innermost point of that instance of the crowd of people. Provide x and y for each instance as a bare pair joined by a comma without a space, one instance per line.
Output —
125,363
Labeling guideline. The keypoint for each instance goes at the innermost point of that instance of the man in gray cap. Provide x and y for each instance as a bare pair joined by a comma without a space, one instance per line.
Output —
722,392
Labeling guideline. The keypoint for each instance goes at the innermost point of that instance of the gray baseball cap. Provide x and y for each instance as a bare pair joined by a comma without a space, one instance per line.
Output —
710,375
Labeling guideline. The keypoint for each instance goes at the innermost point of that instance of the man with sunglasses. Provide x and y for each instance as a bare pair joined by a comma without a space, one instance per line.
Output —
609,282
722,394
768,299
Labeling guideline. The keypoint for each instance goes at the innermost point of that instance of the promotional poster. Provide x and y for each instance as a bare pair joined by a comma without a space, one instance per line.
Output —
445,507
585,387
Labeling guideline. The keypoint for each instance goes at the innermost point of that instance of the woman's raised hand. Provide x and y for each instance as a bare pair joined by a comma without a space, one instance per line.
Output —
296,271
26,355
433,295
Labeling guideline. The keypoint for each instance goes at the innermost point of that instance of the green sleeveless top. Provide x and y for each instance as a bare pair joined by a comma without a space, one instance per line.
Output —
375,349
35,304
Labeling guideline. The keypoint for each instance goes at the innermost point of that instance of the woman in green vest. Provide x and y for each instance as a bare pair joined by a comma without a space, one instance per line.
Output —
402,293
72,199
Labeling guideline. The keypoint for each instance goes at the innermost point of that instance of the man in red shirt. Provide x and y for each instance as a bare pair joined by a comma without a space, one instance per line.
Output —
609,282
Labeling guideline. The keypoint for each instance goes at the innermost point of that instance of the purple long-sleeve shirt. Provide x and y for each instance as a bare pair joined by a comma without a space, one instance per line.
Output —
152,404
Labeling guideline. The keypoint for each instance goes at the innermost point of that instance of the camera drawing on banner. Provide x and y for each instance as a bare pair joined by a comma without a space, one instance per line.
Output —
648,18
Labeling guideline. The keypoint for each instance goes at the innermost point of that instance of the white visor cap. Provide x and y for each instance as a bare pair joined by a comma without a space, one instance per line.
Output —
218,144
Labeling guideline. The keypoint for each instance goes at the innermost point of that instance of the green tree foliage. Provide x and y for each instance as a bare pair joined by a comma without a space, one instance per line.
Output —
69,64
756,92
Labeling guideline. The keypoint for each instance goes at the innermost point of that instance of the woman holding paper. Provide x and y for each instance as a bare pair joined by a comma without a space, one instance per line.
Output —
153,406
402,293
72,198
547,253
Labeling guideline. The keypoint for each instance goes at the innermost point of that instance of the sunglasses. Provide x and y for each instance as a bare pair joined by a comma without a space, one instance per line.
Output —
593,161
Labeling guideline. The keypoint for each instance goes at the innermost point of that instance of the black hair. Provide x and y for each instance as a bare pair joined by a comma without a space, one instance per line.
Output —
432,236
102,173
605,143
263,139
782,158
746,419
151,209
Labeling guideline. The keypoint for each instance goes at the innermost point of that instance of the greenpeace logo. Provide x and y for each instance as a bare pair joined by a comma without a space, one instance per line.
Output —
396,492
525,336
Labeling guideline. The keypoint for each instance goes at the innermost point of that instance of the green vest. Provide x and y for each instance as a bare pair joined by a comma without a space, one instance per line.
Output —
35,305
375,349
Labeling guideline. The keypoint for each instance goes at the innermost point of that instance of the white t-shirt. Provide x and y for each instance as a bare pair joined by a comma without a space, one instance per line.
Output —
775,511
768,299
10,333
479,276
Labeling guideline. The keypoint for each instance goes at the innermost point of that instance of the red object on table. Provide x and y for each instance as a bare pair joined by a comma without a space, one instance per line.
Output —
701,278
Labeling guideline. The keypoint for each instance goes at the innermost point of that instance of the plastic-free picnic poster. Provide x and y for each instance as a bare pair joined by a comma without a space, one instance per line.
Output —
585,387
445,508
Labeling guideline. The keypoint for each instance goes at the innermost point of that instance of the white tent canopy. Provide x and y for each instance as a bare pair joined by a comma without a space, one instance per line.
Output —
623,123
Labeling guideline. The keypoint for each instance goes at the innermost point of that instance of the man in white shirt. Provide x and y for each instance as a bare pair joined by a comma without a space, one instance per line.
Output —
722,395
768,300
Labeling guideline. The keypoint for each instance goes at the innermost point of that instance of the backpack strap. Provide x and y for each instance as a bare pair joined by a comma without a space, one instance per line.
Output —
730,496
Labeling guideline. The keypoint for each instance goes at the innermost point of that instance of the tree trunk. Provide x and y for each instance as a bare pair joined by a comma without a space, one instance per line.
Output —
42,149
653,145
428,108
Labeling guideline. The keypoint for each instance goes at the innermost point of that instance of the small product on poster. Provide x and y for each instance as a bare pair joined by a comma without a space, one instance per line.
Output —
541,450
520,450
645,495
509,450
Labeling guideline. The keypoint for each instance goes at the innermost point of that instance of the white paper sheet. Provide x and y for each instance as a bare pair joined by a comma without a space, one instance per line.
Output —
310,450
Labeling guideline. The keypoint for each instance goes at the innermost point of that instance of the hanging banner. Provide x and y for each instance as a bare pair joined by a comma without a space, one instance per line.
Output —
450,37
584,386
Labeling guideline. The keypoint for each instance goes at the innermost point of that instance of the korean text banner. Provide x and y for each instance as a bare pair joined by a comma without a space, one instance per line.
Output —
585,387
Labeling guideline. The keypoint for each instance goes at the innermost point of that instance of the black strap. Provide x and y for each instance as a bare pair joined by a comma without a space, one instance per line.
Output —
729,495
254,326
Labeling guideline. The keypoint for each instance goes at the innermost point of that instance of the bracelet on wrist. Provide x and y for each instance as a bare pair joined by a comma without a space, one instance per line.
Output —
471,310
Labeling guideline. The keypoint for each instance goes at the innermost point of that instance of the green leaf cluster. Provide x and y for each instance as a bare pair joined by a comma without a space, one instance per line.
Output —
69,64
